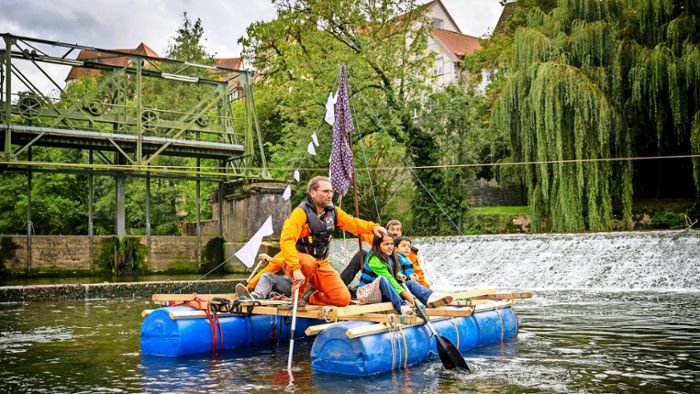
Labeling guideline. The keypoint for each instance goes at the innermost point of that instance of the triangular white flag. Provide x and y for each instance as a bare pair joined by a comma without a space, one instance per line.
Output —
314,138
266,228
287,193
296,175
330,109
311,149
248,252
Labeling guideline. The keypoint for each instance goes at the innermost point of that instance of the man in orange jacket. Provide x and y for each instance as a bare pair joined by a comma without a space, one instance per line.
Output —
305,241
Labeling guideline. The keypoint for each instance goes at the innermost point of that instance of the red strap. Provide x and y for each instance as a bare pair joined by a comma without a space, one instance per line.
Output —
203,305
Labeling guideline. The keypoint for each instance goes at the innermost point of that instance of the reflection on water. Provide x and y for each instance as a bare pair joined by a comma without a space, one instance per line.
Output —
570,341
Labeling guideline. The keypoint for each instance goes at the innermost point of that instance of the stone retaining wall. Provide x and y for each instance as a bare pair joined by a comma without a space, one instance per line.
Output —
113,290
75,254
490,193
55,253
178,253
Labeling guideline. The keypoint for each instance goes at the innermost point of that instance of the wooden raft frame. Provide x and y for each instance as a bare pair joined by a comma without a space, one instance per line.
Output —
465,304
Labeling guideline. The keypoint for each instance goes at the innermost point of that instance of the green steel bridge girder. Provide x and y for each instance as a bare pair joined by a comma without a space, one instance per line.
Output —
120,103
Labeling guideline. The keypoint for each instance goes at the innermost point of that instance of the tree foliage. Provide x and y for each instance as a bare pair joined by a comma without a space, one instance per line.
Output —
599,80
188,42
383,44
456,118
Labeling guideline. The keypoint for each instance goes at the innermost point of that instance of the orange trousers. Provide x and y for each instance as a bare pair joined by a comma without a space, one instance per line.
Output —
330,289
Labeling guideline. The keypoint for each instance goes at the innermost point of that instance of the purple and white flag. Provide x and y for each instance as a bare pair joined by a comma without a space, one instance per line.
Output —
341,162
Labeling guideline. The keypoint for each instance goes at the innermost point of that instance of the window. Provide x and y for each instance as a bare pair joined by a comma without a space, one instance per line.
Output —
437,23
439,67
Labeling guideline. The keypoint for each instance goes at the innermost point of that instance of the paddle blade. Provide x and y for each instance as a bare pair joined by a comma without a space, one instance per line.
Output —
283,378
449,354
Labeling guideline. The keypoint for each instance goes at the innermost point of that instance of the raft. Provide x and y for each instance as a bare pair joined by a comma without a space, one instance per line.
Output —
357,340
335,352
163,335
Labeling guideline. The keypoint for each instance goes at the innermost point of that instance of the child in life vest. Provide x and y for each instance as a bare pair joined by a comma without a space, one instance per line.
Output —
402,249
379,280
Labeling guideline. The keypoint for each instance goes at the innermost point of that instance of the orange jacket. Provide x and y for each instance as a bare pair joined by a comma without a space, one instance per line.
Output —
367,238
273,266
296,227
417,269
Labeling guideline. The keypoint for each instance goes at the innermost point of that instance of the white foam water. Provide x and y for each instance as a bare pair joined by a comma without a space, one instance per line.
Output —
658,260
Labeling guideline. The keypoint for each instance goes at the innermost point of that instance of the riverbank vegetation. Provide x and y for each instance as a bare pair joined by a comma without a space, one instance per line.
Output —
593,108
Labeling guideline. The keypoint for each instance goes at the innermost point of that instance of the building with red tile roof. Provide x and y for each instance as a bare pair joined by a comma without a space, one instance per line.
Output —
456,44
229,62
449,45
107,58
115,59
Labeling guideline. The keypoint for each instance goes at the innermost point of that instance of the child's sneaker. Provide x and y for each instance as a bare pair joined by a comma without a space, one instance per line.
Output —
243,292
437,300
406,310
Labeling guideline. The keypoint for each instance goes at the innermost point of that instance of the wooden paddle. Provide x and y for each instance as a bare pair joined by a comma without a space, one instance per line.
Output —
449,354
291,335
254,271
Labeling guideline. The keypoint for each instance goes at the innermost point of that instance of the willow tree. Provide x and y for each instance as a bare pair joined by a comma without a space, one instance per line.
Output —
592,81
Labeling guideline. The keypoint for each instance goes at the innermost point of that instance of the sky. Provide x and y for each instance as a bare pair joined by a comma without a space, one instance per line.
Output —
122,24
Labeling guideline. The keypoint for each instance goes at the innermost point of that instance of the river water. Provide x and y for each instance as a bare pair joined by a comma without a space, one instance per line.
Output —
642,335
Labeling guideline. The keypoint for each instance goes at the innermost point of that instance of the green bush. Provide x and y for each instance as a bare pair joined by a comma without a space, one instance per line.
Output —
497,223
130,255
666,220
213,255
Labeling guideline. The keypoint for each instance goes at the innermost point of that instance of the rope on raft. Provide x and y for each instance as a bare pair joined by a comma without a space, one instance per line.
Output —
396,328
212,309
456,331
503,327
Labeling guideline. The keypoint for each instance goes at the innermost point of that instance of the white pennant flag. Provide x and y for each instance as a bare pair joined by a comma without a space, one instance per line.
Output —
296,175
249,251
314,138
311,149
330,109
287,193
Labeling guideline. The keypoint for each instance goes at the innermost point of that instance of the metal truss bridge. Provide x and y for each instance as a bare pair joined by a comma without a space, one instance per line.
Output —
128,109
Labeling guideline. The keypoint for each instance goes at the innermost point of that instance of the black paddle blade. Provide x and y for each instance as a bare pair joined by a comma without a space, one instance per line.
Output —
449,354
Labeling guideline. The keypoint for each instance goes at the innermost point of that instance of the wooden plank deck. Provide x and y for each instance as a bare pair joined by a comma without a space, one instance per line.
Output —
465,304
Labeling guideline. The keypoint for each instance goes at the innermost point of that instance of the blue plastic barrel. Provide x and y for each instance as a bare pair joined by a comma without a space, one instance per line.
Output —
163,336
333,352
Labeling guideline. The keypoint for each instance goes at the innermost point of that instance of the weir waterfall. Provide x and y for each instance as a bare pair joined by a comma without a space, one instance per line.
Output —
657,260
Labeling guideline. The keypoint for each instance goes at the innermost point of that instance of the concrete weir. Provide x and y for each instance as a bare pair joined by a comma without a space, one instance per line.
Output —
65,292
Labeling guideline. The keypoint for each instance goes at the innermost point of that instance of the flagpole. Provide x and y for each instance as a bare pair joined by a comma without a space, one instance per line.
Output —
345,241
354,194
